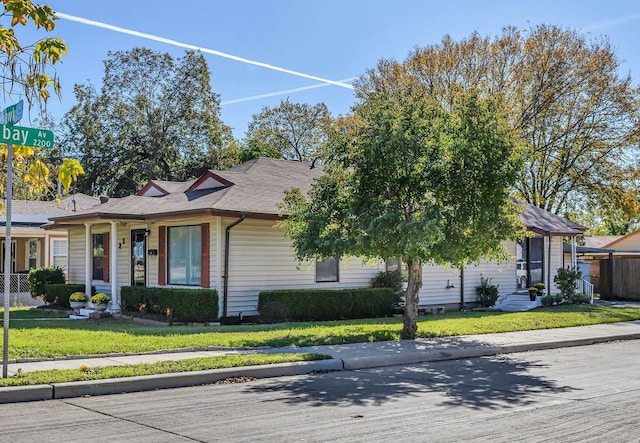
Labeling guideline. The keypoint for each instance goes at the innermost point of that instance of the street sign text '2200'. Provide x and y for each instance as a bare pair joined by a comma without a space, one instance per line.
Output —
18,135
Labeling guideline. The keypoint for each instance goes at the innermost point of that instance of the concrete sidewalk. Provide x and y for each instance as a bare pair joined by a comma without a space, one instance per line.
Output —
344,357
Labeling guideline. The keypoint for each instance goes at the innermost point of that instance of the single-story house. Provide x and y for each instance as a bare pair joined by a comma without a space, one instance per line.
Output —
31,245
218,231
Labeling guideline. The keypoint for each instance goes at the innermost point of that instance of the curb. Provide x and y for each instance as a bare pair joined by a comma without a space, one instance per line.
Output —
55,391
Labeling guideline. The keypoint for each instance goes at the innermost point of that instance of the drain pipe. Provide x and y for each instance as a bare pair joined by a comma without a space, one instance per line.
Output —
226,263
461,287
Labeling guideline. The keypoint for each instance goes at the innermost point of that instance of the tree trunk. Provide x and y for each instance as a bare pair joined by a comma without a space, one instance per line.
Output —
412,299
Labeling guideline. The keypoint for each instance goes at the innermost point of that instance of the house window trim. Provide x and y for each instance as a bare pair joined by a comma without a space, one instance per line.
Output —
335,279
94,256
54,254
198,282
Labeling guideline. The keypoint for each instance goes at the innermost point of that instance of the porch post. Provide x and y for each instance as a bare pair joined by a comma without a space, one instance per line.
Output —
88,259
574,254
113,258
47,258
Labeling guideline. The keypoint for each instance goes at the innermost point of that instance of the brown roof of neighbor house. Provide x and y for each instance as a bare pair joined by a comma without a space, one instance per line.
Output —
253,188
545,222
600,241
27,212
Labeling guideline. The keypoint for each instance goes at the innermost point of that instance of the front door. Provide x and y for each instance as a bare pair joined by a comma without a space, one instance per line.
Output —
138,258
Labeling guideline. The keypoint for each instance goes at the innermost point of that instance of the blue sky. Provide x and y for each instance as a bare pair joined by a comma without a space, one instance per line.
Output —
332,40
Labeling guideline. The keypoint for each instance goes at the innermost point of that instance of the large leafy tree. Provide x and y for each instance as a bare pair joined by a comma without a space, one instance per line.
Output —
411,178
297,130
27,73
155,118
564,96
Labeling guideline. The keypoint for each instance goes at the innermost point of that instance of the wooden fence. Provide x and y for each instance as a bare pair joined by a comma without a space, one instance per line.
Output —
626,278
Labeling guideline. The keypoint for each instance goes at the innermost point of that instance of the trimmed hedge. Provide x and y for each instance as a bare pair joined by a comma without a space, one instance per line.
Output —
58,294
188,305
320,305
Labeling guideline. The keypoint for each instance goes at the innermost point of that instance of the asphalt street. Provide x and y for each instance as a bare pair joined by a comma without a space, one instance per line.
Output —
584,393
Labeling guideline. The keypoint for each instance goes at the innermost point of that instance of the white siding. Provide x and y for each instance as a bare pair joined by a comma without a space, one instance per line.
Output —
555,262
261,259
437,281
75,272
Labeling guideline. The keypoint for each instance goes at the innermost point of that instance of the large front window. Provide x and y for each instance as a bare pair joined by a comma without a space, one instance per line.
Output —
184,255
530,262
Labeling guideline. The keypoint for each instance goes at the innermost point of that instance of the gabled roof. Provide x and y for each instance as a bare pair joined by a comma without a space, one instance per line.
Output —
545,222
626,243
254,188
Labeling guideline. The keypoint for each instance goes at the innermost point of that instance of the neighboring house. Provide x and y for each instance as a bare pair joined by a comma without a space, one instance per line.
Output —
218,232
31,245
617,256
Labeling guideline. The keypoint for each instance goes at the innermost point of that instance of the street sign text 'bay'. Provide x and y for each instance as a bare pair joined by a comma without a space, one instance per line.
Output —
18,135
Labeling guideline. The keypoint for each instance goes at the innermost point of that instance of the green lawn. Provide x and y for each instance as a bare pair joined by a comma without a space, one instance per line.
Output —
55,338
195,364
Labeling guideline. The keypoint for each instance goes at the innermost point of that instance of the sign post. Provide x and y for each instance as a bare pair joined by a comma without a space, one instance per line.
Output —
10,134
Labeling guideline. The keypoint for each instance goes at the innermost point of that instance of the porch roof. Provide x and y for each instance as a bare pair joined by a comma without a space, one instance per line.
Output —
547,223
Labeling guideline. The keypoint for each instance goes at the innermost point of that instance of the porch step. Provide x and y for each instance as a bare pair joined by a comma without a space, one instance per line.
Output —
517,303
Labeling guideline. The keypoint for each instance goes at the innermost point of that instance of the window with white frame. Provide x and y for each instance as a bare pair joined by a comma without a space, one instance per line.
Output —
184,255
327,270
59,253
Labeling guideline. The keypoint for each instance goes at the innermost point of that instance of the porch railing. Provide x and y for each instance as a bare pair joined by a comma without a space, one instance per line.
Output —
586,288
19,291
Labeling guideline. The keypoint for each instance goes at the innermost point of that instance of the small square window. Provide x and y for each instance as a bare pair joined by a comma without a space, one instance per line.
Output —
327,270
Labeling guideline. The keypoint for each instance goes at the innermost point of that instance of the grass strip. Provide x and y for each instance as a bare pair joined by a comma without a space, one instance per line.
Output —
84,372
40,339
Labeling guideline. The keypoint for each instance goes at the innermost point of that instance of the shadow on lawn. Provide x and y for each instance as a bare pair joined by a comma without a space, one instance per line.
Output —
493,383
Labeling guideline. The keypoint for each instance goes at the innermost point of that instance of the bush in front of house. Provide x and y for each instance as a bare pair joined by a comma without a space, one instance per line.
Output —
58,294
565,280
38,278
188,305
326,304
388,279
487,292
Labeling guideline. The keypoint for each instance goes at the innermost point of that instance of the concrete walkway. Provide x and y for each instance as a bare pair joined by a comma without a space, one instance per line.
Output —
344,357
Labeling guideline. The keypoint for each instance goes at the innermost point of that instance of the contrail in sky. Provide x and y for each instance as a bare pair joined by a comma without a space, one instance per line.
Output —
287,91
197,48
609,23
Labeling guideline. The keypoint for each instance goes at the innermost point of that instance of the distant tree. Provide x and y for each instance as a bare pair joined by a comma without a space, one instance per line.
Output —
410,178
255,149
154,118
564,96
296,130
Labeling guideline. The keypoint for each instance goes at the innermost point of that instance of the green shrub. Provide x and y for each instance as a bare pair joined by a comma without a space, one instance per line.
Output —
58,294
581,299
388,279
548,300
188,305
319,305
565,280
38,278
487,293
